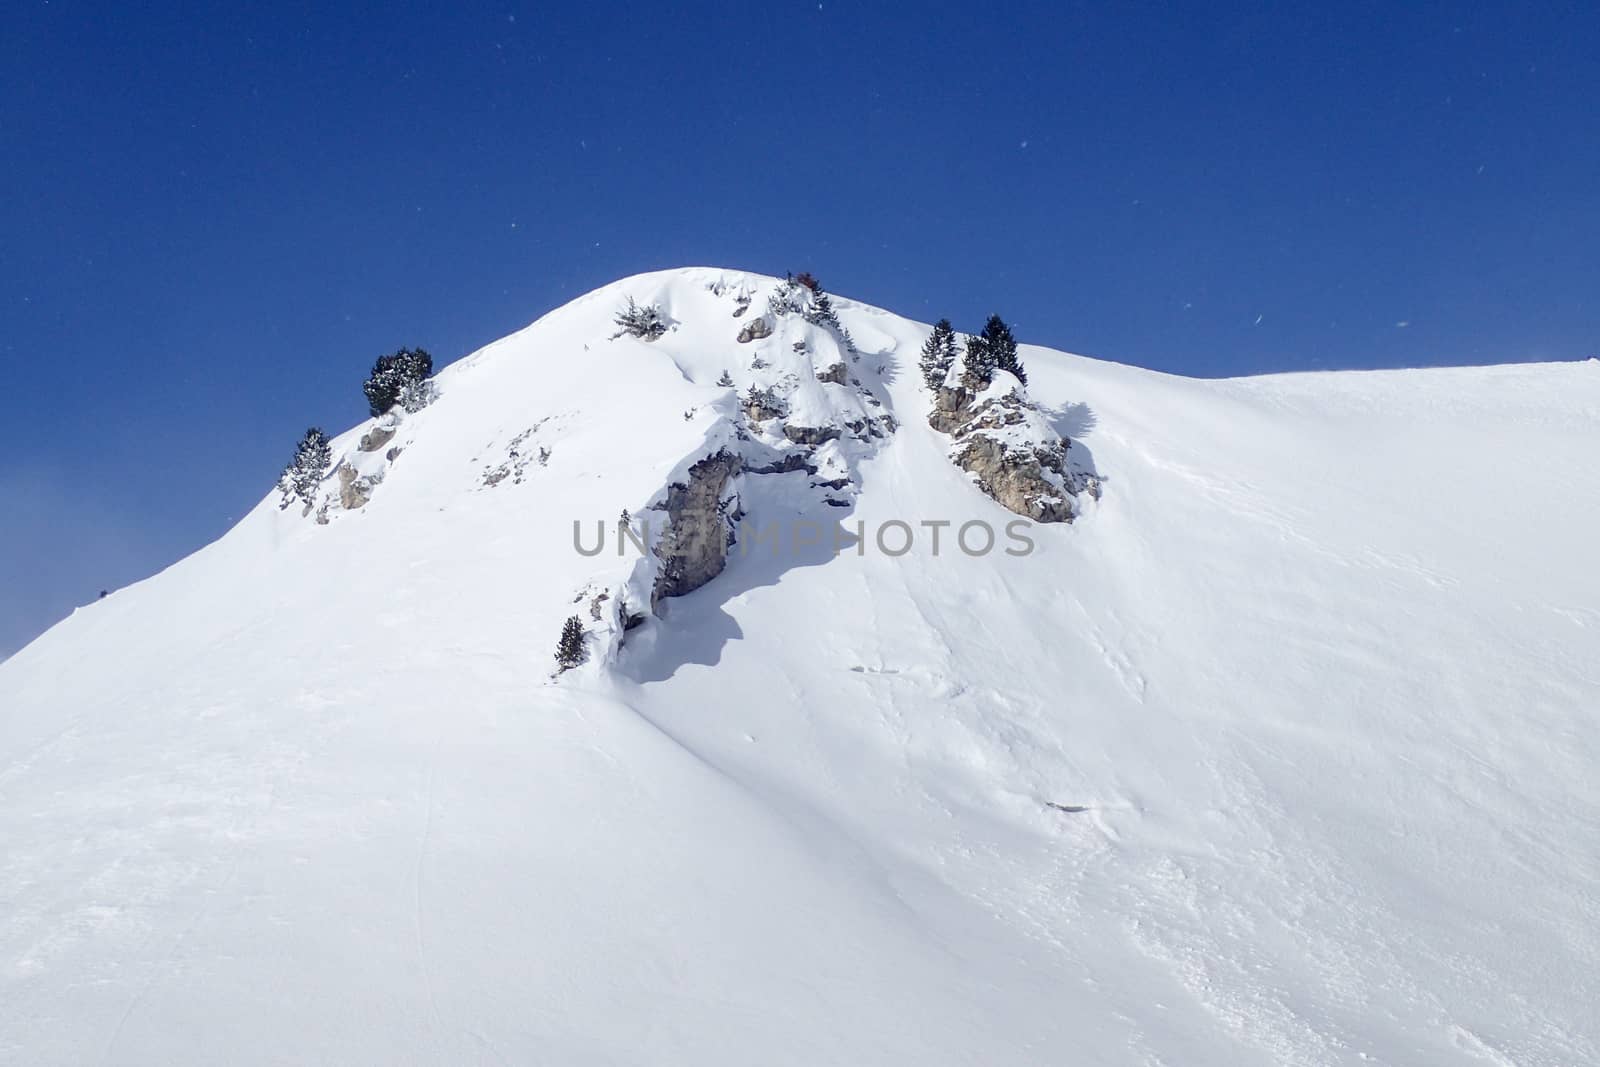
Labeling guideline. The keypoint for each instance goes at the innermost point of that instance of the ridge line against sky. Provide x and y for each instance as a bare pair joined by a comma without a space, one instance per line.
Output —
215,219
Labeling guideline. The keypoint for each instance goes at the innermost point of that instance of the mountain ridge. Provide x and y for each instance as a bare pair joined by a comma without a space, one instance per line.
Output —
1280,752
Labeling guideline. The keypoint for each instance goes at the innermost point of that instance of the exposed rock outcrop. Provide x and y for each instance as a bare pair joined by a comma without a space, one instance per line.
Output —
811,435
1006,444
755,330
761,405
700,517
790,461
952,409
839,374
376,438
354,490
869,428
1013,477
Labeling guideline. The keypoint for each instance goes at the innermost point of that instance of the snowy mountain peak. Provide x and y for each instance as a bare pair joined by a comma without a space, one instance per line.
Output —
749,378
1281,752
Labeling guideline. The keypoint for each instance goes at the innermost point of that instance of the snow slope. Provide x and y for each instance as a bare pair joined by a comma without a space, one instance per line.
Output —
1318,678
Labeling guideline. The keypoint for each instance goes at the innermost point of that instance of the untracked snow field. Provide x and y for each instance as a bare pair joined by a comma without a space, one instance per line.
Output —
1287,751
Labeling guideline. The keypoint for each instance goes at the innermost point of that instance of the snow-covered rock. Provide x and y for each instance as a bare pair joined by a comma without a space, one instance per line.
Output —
376,438
355,489
701,515
1010,448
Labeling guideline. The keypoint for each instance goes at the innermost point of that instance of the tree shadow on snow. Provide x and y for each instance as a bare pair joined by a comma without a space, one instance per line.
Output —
1074,422
787,526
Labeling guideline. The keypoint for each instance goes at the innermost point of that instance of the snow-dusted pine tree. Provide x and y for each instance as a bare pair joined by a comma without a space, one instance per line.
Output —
642,321
818,309
391,375
305,472
978,363
821,312
570,650
938,354
414,396
786,298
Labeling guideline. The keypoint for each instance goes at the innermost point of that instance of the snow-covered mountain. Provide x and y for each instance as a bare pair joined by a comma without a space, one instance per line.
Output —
1284,750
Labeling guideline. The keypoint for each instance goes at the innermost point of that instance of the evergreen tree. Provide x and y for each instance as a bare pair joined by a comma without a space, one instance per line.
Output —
819,312
570,650
785,298
397,377
822,308
646,322
997,337
305,472
979,363
938,354
414,396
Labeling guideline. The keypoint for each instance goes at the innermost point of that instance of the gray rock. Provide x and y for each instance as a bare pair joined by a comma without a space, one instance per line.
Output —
952,409
393,454
755,330
761,412
355,491
694,548
791,461
375,439
838,374
763,406
811,435
869,428
1015,477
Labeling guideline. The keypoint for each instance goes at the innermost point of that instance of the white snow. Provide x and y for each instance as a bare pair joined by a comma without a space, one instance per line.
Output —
1318,677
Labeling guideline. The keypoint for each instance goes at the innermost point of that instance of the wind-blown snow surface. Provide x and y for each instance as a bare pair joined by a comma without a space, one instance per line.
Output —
1321,669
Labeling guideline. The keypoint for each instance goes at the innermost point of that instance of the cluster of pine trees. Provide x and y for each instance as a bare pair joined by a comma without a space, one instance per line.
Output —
993,349
788,298
403,378
804,295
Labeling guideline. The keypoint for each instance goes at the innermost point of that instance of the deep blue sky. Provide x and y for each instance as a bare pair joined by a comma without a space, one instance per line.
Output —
213,219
